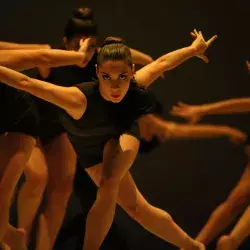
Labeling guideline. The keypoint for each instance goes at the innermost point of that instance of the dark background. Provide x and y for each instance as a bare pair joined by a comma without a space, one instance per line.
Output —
186,178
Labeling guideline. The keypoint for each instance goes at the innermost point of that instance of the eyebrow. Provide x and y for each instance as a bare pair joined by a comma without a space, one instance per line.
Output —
119,74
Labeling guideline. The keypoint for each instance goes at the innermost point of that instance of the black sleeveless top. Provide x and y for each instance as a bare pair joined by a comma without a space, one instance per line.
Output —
103,119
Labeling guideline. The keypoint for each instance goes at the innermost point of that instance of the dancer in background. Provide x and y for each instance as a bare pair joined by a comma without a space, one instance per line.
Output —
19,121
239,198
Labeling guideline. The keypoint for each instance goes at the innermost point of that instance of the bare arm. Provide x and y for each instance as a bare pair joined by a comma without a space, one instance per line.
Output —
70,99
25,59
18,46
182,131
231,106
152,71
194,113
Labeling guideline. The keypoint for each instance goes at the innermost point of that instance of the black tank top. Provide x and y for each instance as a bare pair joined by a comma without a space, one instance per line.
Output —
103,119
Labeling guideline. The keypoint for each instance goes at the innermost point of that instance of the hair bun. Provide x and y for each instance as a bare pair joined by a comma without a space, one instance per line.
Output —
83,14
113,40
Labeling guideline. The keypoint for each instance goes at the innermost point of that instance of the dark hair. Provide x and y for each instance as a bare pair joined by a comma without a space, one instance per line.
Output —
115,49
81,23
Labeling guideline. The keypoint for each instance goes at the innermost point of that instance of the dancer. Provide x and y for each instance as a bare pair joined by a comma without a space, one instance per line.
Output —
52,163
20,123
239,198
104,135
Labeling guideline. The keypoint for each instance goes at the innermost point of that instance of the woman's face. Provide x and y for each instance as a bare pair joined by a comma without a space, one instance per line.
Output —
114,78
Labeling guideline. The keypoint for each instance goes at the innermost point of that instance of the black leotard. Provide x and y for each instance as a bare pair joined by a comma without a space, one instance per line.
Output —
104,120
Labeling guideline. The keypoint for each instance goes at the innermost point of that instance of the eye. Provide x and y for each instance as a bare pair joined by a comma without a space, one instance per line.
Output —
106,77
123,77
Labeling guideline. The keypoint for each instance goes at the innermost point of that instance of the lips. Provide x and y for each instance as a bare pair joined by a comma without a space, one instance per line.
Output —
115,95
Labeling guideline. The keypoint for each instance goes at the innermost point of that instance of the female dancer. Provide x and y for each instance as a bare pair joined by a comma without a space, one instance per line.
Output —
53,160
20,124
100,119
239,198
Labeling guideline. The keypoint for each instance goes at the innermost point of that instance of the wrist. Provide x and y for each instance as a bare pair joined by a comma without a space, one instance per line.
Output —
193,50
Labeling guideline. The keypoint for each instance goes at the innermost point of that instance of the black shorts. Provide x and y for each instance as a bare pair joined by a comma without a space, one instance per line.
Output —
49,124
18,112
93,155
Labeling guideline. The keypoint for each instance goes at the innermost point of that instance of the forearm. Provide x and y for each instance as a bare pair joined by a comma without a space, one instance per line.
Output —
239,105
152,71
140,58
179,131
70,99
175,58
25,59
18,46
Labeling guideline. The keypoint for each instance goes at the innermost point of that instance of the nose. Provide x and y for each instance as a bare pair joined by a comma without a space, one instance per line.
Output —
115,85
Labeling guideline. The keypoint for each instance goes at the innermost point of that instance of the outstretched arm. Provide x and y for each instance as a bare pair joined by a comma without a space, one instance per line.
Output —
151,126
19,46
25,59
182,131
152,71
70,99
194,113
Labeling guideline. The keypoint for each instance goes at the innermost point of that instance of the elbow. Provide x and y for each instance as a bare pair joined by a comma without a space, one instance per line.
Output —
78,106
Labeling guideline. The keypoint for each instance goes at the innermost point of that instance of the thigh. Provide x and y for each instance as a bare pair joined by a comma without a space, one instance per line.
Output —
15,148
119,156
36,168
61,160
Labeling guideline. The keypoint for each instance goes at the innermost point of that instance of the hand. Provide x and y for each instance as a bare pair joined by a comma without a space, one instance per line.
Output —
248,65
200,45
88,48
236,136
191,113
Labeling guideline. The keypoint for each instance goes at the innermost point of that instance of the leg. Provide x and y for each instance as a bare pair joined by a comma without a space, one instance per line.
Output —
14,154
240,232
31,193
228,211
117,159
61,161
151,218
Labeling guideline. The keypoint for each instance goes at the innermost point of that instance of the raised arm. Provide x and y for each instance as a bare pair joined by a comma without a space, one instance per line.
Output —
152,71
19,46
194,113
71,99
